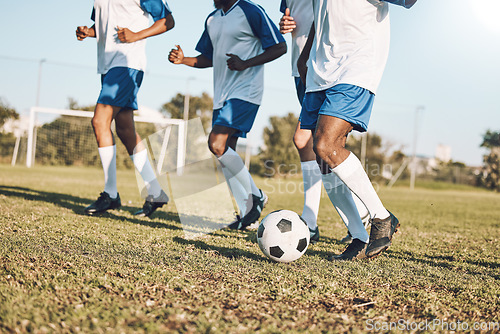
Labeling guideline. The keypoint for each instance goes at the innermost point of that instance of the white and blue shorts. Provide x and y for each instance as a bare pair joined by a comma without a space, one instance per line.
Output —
119,87
348,102
236,114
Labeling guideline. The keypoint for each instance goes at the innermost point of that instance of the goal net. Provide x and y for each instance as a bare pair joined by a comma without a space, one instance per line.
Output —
65,137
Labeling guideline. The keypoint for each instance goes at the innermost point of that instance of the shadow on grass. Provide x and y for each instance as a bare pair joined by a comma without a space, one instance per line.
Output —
231,253
77,204
444,261
251,236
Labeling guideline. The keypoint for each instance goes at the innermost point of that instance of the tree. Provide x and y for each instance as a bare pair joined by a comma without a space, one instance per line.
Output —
6,112
490,178
279,156
375,155
7,140
73,105
199,106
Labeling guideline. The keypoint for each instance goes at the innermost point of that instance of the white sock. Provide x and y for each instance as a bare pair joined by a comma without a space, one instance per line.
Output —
311,176
239,180
108,160
362,210
141,162
342,199
351,172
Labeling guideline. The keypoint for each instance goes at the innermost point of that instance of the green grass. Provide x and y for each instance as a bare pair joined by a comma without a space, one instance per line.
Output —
62,271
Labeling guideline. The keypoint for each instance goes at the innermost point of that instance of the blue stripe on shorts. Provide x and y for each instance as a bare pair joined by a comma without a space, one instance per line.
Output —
120,86
236,114
348,102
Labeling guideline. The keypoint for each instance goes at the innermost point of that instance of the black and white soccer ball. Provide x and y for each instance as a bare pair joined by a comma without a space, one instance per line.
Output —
283,236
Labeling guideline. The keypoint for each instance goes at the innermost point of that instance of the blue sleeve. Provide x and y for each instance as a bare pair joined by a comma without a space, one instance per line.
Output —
205,46
92,16
284,6
262,26
158,9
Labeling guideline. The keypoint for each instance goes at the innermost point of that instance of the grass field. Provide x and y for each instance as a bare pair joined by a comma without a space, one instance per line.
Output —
62,271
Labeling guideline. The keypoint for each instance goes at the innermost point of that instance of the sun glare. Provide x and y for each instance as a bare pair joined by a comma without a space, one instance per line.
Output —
488,12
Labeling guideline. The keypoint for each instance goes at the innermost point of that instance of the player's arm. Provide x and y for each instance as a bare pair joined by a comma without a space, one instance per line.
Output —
304,55
287,23
83,32
176,56
125,35
235,63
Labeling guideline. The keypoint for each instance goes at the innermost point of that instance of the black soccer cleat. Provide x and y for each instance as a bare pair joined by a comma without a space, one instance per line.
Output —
381,235
355,251
259,202
314,235
152,204
103,204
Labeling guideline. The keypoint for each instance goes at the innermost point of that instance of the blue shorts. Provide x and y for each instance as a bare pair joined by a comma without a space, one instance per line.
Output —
120,87
348,102
236,114
300,88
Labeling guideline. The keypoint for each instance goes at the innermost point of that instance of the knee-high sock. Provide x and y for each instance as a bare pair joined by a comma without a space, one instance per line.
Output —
342,199
239,180
363,211
351,172
143,166
108,160
311,176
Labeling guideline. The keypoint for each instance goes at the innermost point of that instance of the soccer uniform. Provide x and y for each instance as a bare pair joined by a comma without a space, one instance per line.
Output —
302,13
122,65
347,60
246,31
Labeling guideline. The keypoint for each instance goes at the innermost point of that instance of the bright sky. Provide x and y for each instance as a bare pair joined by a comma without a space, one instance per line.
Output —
444,56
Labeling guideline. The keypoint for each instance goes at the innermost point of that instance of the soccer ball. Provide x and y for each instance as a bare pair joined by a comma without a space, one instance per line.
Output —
283,236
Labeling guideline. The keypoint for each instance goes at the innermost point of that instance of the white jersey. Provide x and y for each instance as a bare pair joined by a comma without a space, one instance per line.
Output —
132,14
351,44
302,13
246,31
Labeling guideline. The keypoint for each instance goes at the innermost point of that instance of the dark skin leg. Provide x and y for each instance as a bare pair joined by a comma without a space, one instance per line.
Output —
220,139
329,142
125,127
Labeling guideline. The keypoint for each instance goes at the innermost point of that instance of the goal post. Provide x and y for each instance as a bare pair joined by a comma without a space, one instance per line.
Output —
159,122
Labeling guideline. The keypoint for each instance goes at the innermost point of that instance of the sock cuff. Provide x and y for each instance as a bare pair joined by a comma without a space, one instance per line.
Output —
309,165
229,152
139,155
105,149
348,167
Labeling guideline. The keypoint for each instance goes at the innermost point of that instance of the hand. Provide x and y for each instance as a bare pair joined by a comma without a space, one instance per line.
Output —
176,56
125,35
287,23
234,63
82,32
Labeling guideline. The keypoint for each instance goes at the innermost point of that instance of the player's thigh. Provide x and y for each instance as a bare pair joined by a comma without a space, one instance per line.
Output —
103,114
124,117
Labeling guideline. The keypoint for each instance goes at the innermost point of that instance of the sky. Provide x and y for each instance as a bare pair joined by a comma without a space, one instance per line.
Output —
443,62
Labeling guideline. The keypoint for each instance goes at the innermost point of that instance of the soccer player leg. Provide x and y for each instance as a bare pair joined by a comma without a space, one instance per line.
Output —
109,198
311,177
348,107
235,119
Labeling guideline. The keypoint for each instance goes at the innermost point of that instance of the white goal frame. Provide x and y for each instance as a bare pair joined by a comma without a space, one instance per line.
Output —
181,151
